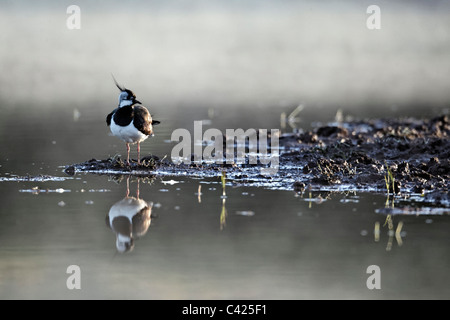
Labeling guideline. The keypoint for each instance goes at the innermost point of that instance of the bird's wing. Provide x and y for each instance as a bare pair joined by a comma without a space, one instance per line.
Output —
142,119
109,117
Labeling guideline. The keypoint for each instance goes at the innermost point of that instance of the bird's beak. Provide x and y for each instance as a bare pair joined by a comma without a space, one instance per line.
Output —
137,101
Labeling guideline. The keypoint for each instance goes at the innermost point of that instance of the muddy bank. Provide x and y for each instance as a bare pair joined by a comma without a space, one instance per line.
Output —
407,155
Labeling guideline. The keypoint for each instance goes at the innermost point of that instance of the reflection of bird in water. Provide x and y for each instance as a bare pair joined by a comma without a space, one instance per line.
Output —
129,218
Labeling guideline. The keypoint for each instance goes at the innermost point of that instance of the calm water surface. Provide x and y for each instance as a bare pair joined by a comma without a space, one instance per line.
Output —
258,243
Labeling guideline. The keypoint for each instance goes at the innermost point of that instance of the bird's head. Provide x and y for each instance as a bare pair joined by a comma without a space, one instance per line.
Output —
126,96
124,243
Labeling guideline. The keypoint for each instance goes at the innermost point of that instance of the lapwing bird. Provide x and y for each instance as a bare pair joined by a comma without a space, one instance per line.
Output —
130,121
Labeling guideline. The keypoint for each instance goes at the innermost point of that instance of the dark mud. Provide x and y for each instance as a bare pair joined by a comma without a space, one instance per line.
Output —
395,156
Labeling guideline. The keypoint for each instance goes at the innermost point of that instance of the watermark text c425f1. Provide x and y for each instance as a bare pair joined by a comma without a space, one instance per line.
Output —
262,147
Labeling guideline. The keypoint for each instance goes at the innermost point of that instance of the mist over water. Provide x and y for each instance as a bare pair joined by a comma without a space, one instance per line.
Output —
228,54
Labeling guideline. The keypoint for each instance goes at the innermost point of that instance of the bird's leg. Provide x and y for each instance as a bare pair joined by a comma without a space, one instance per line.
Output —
128,153
128,186
139,152
137,191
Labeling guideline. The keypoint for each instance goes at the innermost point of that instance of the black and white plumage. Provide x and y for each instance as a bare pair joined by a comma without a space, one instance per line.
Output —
129,218
130,121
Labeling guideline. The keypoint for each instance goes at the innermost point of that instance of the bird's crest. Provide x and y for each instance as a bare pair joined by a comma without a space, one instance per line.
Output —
121,88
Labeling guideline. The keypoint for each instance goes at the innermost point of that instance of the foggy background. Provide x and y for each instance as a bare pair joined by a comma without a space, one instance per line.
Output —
186,54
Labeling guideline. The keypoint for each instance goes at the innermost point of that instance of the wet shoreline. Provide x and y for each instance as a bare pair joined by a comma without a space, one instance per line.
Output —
406,156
